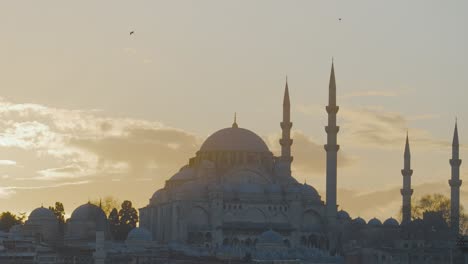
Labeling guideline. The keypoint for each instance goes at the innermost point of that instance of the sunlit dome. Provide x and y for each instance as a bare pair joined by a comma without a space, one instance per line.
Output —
234,139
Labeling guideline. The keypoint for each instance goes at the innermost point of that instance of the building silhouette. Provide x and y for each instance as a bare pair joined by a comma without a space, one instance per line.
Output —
235,202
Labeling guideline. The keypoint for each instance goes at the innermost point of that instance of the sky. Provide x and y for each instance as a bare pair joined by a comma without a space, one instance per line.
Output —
88,111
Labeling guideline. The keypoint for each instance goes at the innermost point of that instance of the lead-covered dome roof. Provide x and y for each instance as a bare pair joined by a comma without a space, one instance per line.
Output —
359,221
374,222
234,139
139,234
343,215
391,222
90,212
42,213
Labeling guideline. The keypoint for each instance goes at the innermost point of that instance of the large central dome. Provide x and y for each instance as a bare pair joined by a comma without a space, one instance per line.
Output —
234,139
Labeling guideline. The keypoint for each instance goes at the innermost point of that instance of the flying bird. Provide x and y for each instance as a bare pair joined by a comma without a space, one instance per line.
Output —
132,32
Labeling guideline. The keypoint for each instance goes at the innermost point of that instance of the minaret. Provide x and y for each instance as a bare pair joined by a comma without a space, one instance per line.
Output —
406,191
286,125
332,149
455,184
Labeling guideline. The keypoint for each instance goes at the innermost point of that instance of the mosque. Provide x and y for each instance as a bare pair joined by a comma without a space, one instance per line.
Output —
235,202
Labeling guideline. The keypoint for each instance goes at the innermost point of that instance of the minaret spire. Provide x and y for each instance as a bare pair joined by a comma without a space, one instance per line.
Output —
332,149
455,184
286,126
406,191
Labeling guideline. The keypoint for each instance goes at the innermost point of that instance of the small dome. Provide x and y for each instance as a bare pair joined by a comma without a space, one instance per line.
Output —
139,234
159,195
234,139
90,212
185,173
270,237
391,222
42,213
359,221
343,215
374,222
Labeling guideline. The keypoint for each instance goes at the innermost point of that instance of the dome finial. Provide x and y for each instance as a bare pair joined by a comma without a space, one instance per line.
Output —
234,125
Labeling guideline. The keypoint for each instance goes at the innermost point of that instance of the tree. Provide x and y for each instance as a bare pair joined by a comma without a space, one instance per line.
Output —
8,219
114,223
128,219
107,204
59,212
436,203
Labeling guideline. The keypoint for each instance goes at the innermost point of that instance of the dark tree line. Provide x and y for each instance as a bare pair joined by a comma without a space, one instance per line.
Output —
8,219
122,221
59,212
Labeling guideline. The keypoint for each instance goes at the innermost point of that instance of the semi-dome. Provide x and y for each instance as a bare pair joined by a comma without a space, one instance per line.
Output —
139,234
294,188
310,192
234,139
343,215
274,189
374,222
391,222
185,173
192,190
270,237
359,221
42,213
250,188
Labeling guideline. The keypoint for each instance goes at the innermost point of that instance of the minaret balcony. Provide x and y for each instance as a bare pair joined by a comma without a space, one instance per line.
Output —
332,147
285,142
455,183
406,192
455,162
332,109
286,125
407,172
332,129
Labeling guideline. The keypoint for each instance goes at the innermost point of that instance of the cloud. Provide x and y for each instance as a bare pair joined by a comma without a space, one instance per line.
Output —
376,127
67,172
6,192
7,163
143,148
372,93
89,144
309,157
